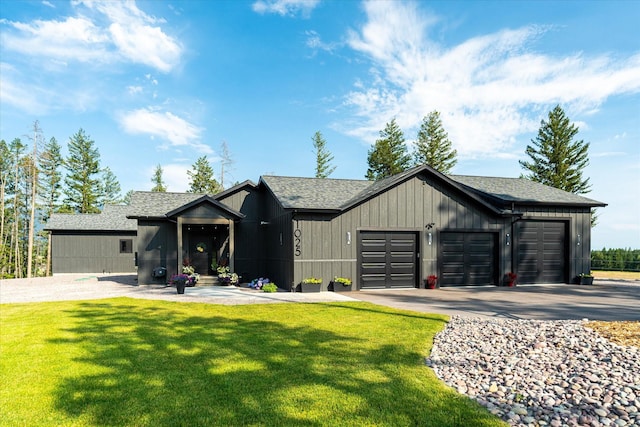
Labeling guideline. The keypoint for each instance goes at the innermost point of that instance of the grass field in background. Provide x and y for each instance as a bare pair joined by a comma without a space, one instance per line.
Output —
156,363
626,275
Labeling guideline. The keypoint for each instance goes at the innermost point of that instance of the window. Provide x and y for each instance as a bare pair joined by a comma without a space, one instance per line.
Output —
126,246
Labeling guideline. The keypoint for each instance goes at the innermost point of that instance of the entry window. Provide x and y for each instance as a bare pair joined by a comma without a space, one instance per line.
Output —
126,246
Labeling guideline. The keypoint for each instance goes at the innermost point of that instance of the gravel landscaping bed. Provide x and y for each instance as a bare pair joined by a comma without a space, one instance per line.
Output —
532,372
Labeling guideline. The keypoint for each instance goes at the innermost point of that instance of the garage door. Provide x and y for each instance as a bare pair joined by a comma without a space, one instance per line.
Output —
467,259
540,251
387,259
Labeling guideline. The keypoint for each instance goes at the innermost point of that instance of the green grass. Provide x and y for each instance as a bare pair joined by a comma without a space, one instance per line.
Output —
155,363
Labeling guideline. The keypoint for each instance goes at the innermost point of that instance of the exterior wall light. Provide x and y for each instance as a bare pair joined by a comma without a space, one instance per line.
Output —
430,238
508,239
579,240
348,237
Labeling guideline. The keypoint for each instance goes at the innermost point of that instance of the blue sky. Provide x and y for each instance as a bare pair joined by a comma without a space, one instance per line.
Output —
165,82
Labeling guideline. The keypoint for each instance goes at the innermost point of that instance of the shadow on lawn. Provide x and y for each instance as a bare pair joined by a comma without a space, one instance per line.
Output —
162,365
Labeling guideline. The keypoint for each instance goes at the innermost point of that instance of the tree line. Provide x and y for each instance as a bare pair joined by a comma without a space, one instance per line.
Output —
36,180
616,259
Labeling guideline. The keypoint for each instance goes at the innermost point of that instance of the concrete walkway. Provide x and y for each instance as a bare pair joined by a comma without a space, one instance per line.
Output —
605,300
86,286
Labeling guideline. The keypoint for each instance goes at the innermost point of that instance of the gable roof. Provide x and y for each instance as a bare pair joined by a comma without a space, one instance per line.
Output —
112,218
313,193
155,204
495,194
206,200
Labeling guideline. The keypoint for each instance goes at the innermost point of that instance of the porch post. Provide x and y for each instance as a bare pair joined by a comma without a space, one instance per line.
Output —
231,246
179,254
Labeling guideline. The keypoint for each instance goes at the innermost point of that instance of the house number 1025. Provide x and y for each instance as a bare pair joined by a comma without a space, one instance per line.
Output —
297,237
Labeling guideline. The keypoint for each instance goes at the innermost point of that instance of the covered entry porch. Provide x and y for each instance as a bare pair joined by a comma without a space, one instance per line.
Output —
206,234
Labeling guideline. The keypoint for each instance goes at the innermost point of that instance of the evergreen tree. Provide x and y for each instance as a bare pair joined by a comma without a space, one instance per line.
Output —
433,147
201,178
50,183
15,210
82,188
50,177
111,191
556,159
389,154
323,156
127,197
158,183
5,174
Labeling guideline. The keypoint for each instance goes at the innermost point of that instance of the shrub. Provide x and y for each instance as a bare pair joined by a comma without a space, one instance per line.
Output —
269,287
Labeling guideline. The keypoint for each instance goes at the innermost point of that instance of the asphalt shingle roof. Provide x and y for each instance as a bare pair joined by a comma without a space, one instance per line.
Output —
112,218
314,193
522,190
320,194
156,204
339,194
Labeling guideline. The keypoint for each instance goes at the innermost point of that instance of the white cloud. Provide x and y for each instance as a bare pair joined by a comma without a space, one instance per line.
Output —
134,90
76,39
315,42
49,4
285,7
118,32
166,126
489,89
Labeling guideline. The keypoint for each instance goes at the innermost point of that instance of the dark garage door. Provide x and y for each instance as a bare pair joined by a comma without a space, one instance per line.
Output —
540,251
467,259
387,259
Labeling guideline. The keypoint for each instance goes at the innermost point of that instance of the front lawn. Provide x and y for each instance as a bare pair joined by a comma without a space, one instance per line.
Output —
155,363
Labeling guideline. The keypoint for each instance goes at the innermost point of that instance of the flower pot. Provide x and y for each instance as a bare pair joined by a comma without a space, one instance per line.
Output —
339,287
180,287
309,287
586,280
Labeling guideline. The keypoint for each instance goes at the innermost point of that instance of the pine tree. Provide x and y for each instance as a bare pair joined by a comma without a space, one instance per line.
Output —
202,179
50,183
111,190
323,156
158,182
16,208
389,154
433,147
82,187
5,174
556,159
127,197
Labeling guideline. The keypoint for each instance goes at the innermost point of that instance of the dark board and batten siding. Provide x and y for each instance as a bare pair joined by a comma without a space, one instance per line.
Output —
248,239
158,248
93,253
408,207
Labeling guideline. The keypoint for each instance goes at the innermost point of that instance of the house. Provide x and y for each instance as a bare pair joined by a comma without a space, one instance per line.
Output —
467,230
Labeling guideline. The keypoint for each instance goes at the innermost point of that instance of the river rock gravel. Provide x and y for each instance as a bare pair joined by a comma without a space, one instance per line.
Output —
540,373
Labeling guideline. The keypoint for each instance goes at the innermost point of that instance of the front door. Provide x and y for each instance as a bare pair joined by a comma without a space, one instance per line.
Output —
205,244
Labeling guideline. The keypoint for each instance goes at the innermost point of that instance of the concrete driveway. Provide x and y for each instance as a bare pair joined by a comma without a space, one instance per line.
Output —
605,300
